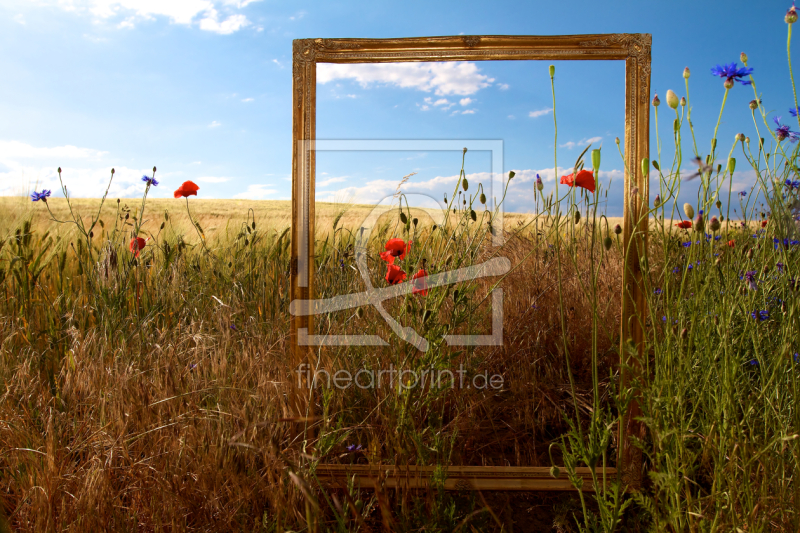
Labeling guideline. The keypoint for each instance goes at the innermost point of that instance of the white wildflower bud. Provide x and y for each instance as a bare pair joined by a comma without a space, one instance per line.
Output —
672,99
689,210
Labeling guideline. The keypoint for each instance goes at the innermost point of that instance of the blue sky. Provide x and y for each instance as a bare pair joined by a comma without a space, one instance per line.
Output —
202,89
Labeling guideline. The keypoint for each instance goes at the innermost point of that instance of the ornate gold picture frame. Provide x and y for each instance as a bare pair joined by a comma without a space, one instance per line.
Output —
634,49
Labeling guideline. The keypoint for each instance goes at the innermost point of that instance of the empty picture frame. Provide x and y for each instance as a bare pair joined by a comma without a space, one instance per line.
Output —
632,48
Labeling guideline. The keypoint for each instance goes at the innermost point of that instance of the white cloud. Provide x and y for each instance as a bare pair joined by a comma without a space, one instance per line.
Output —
465,101
247,100
468,112
19,18
230,25
203,13
298,16
461,78
540,112
502,86
213,179
329,181
214,124
583,142
512,117
257,191
19,150
277,63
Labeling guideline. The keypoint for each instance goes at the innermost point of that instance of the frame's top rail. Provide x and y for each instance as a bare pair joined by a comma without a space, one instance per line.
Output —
475,48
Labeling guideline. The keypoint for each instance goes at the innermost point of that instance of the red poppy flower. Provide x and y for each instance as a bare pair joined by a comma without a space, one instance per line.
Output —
137,244
731,244
585,179
395,248
187,188
419,282
763,223
394,274
684,224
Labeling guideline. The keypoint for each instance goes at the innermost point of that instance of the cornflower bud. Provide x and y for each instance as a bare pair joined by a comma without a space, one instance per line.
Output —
656,101
743,57
698,223
728,84
791,15
740,137
657,201
714,224
753,105
617,229
616,140
672,99
686,73
539,184
747,140
718,204
683,101
689,210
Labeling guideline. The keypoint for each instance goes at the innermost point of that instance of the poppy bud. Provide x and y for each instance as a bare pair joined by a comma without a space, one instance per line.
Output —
656,165
743,57
657,201
511,174
162,225
154,168
645,166
617,229
552,70
473,215
718,204
722,218
360,312
607,243
434,227
714,224
253,225
713,147
672,99
577,216
117,201
59,170
686,73
415,221
719,167
731,164
698,223
403,217
482,198
91,234
656,101
596,159
555,471
465,184
465,150
689,210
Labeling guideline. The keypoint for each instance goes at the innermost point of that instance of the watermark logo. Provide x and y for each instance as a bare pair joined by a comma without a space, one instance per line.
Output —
394,378
375,296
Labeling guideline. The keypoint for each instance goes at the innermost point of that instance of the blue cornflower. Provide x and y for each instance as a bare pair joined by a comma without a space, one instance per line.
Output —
753,362
150,181
718,237
743,193
793,184
690,266
43,196
676,270
784,132
759,315
793,112
750,279
657,291
780,266
700,212
686,244
732,73
354,448
796,357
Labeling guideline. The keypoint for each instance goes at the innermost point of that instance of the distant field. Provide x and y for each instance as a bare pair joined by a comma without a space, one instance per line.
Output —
215,216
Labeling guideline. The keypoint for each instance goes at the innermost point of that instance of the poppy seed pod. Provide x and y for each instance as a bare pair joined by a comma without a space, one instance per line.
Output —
743,57
617,229
714,224
686,73
596,159
672,99
689,210
656,101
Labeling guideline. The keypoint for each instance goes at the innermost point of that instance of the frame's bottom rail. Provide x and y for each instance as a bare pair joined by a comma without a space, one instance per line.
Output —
458,477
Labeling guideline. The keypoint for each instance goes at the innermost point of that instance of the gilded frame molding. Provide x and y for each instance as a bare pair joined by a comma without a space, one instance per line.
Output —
634,49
